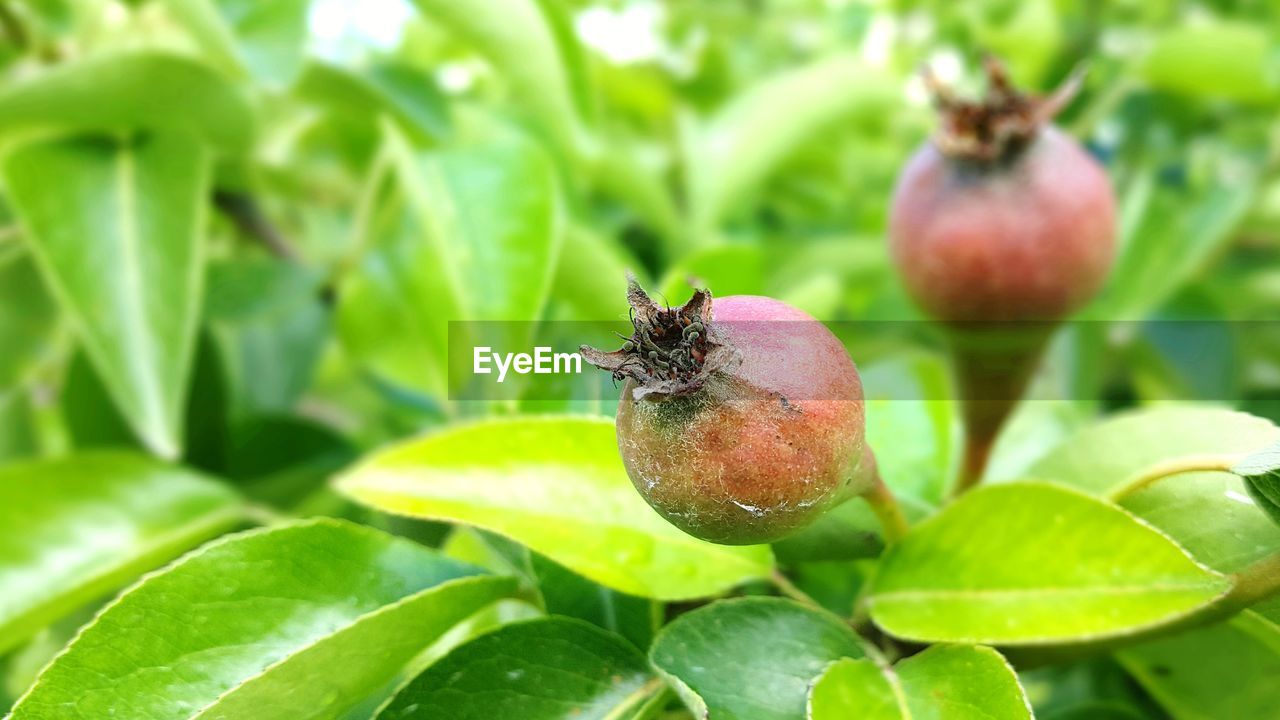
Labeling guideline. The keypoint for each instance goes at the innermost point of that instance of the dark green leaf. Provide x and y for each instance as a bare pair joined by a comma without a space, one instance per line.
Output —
1224,671
1261,473
751,658
565,592
544,669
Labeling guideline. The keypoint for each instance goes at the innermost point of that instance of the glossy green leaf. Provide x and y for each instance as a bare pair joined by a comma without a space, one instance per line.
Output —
1224,671
976,572
558,487
137,207
1209,514
1261,473
751,658
28,317
461,235
748,138
521,43
955,682
130,91
265,625
79,527
544,669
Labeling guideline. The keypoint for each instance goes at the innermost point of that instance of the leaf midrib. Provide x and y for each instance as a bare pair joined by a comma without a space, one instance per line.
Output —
1101,590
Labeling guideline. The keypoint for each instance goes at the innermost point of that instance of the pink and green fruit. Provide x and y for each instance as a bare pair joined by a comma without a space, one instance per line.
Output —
741,419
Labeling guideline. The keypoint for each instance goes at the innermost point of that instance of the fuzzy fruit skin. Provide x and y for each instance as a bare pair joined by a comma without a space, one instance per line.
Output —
1030,238
757,453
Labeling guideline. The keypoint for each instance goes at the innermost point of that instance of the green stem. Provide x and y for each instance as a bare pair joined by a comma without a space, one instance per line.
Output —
993,364
887,510
1253,584
1177,466
789,589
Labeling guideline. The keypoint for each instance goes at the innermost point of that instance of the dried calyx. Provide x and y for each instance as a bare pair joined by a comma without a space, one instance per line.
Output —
671,351
1001,124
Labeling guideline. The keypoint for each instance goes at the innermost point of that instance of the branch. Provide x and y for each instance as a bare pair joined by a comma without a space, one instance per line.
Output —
245,213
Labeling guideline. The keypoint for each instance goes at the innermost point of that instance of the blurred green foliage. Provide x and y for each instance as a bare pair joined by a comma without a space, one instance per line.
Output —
233,238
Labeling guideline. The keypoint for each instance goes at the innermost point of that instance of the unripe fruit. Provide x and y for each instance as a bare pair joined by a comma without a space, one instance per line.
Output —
741,419
1001,218
1001,227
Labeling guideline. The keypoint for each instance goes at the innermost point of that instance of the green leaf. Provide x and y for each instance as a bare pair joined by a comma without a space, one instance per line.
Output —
914,432
79,527
544,669
751,658
1224,671
407,95
1176,233
131,91
264,625
1209,514
558,487
942,683
591,271
284,460
1261,473
567,593
467,235
739,147
270,324
266,38
976,572
28,317
18,432
116,228
1233,60
523,46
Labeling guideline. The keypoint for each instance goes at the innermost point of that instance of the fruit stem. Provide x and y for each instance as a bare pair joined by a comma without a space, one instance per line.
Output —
1168,468
1255,583
993,365
789,589
887,509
